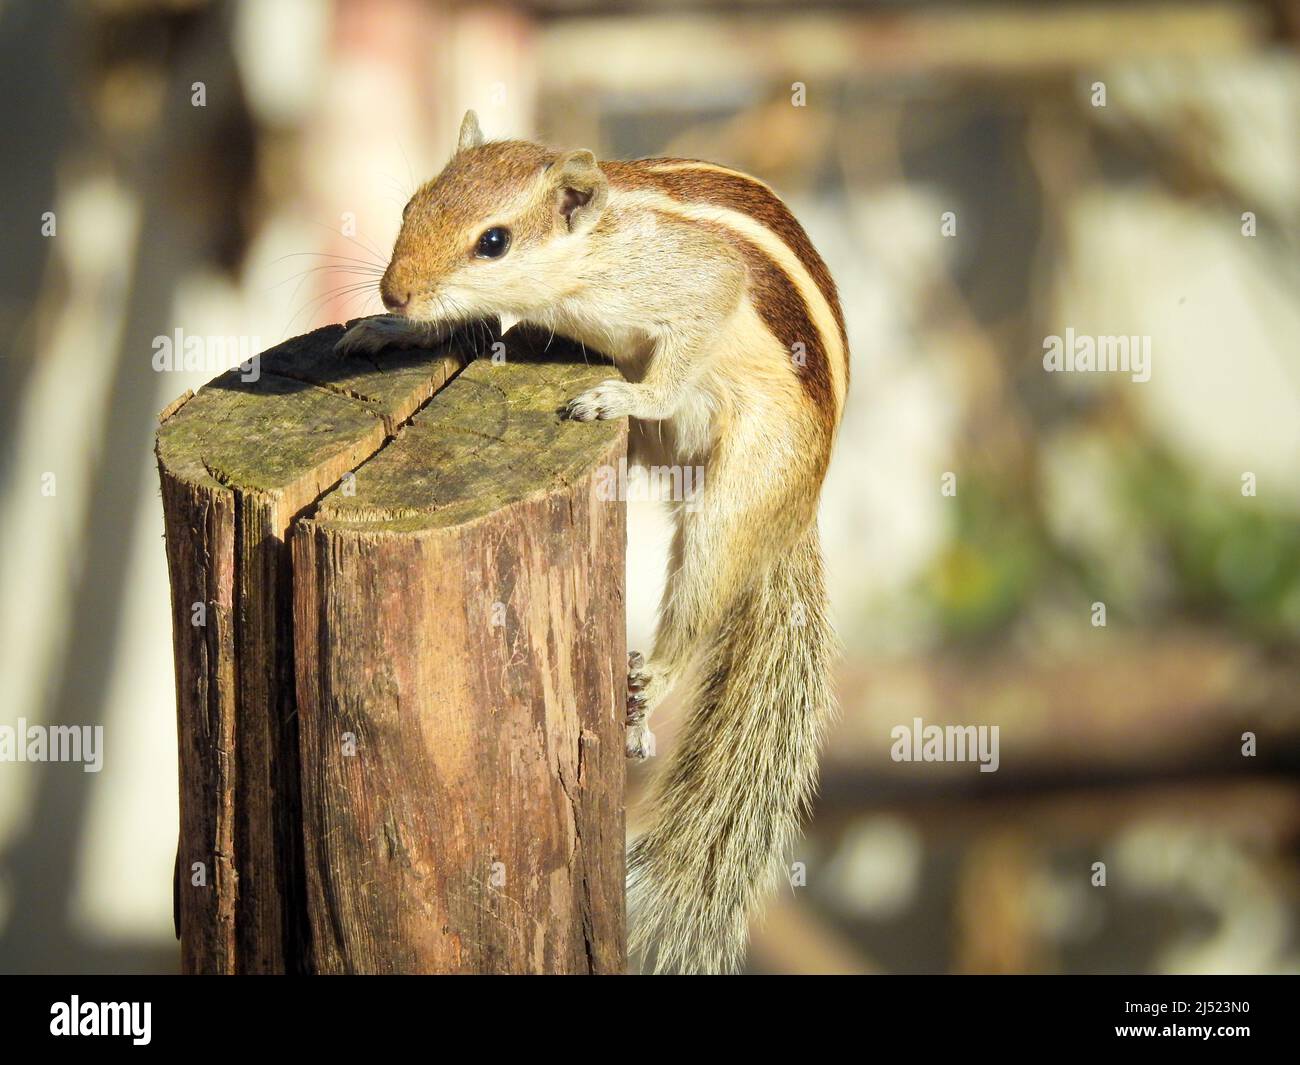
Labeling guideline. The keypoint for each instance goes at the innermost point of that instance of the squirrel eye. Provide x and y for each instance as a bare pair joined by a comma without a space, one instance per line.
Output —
493,243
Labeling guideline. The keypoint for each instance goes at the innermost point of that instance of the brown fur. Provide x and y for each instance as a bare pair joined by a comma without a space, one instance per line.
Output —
786,314
740,193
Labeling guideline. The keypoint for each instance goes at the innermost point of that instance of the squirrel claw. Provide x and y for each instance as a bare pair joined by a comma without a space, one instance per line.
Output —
577,412
369,336
637,678
613,399
640,740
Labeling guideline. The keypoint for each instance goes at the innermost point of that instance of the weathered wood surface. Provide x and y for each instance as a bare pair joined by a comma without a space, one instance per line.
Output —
461,655
237,462
241,462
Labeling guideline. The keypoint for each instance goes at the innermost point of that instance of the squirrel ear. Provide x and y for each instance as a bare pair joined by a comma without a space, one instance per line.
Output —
581,189
470,134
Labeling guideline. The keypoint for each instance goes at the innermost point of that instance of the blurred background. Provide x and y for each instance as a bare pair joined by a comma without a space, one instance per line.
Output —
979,177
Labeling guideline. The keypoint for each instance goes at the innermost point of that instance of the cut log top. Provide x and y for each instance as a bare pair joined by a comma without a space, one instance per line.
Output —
493,436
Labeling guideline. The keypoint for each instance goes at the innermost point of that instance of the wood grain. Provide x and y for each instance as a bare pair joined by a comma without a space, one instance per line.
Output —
461,656
237,462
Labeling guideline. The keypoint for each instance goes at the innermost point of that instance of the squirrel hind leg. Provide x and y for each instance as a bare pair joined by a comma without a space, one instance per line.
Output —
647,685
640,742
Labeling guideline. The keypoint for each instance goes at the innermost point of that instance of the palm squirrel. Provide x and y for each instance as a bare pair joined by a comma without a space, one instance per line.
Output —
708,295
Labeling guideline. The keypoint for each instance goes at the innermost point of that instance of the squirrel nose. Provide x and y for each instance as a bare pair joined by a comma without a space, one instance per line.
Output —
394,301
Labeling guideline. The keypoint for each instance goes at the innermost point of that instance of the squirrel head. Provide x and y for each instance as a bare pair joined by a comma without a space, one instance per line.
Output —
503,229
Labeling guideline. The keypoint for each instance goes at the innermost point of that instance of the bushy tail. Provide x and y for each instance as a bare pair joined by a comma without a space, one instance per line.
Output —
740,781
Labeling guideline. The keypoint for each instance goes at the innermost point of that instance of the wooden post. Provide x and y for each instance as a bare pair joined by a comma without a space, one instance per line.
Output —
400,739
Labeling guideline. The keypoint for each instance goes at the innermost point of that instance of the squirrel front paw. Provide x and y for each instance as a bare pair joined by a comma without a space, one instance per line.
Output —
608,400
371,335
